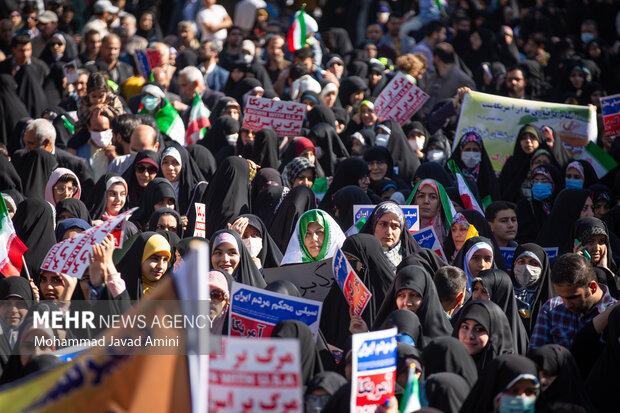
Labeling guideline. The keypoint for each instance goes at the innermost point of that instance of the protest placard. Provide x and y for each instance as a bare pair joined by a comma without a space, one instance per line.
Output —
410,211
72,256
373,369
70,71
400,99
355,292
312,279
509,252
427,238
497,119
201,213
265,376
142,62
285,118
610,106
254,311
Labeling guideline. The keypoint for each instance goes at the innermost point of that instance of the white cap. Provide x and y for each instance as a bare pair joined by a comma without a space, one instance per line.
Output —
102,6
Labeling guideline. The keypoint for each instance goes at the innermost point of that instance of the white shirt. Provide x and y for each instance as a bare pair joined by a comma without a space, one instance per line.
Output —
214,15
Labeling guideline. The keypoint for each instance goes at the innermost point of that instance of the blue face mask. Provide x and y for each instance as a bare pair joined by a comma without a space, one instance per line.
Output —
150,102
517,404
573,183
541,191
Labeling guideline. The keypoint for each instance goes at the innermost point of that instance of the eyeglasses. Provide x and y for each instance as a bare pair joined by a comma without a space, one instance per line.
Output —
166,228
56,44
143,168
61,189
217,295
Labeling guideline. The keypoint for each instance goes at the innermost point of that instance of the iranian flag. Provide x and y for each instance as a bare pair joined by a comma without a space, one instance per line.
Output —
169,122
468,198
12,249
198,121
600,160
296,37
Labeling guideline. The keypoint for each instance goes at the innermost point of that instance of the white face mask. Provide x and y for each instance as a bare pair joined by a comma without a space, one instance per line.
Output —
232,139
417,143
382,139
248,58
527,275
471,159
253,245
101,139
436,155
319,152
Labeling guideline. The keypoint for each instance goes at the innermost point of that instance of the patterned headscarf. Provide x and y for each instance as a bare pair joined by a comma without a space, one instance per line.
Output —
294,168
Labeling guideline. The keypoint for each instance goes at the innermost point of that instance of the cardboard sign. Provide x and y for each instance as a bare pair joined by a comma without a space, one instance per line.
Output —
427,238
70,71
497,119
354,290
265,376
410,211
373,369
72,256
610,106
254,311
312,279
285,118
509,252
201,223
399,100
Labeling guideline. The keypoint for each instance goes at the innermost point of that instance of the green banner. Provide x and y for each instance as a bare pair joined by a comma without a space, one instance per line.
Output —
498,120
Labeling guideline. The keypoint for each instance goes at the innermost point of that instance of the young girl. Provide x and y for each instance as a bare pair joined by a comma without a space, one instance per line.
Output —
98,96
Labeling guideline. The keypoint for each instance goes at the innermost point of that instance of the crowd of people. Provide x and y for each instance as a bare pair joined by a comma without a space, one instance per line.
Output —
85,135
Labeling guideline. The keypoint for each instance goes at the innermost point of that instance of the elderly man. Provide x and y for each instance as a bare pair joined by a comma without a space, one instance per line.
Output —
191,81
40,133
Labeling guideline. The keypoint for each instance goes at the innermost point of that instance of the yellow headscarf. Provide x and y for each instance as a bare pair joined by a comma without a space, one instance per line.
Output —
157,244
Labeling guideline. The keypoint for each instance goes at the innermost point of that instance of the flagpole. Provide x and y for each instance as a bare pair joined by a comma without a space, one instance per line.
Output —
26,268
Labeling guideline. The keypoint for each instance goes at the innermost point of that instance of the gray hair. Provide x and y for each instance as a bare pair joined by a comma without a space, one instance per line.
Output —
193,74
130,17
188,24
42,130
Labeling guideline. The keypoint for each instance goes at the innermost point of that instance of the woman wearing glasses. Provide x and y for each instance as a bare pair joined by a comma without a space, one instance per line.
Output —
63,184
143,170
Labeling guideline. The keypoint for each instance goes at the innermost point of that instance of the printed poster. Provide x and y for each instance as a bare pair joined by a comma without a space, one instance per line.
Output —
254,312
265,376
497,119
285,118
410,211
373,369
400,99
355,292
72,256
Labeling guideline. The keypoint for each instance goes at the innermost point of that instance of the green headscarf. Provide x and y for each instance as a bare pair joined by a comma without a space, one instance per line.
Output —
320,218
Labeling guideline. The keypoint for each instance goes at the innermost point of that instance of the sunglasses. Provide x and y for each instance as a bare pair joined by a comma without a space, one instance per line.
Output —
143,168
217,295
56,44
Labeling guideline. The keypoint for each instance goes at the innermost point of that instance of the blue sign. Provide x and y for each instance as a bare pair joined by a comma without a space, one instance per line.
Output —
509,252
425,238
251,306
377,354
410,211
341,271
